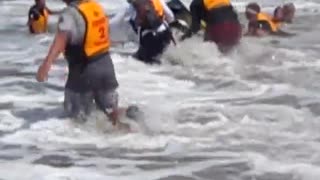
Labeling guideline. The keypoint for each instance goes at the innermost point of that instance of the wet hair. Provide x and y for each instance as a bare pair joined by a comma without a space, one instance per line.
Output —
278,14
289,11
253,7
289,6
40,2
276,11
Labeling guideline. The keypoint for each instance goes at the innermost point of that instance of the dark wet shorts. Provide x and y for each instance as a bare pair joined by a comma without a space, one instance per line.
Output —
225,34
94,83
152,45
81,104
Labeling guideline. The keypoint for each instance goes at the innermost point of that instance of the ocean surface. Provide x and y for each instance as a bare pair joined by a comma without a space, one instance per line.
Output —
251,115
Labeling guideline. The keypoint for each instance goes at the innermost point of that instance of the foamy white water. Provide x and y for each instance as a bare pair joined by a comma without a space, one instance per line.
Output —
250,115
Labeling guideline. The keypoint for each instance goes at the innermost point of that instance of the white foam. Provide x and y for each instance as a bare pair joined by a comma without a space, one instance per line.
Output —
162,91
302,171
8,122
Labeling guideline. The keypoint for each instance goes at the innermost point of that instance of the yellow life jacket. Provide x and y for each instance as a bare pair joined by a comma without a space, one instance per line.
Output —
266,17
97,38
41,25
213,4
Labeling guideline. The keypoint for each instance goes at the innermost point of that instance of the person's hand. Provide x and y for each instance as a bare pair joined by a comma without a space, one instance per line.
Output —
42,74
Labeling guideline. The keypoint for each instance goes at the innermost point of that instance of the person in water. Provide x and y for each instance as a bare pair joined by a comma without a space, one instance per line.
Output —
83,36
285,13
262,24
38,17
222,24
150,19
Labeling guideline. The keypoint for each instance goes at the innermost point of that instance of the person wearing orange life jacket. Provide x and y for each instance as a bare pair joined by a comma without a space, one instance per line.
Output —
38,17
222,24
261,24
83,36
150,19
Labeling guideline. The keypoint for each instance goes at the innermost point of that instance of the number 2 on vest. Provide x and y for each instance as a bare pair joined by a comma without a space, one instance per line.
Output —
102,31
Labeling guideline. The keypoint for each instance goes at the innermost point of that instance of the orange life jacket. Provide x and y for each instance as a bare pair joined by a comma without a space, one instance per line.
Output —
97,28
213,4
41,25
96,40
275,26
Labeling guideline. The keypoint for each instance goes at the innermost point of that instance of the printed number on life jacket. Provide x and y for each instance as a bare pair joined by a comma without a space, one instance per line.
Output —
102,31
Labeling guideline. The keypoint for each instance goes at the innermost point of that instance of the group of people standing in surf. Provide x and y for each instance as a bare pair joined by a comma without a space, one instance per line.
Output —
83,37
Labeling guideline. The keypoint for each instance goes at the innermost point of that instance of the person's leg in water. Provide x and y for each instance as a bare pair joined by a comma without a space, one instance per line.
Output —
152,45
78,99
78,105
107,102
101,79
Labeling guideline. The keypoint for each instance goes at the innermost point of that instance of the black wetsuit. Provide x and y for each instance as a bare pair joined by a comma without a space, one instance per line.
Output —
154,35
152,45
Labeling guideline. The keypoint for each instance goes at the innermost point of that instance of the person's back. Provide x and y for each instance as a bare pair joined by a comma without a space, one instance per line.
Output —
218,11
222,24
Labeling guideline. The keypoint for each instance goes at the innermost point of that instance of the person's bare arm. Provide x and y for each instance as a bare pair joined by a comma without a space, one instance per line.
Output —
251,29
56,48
